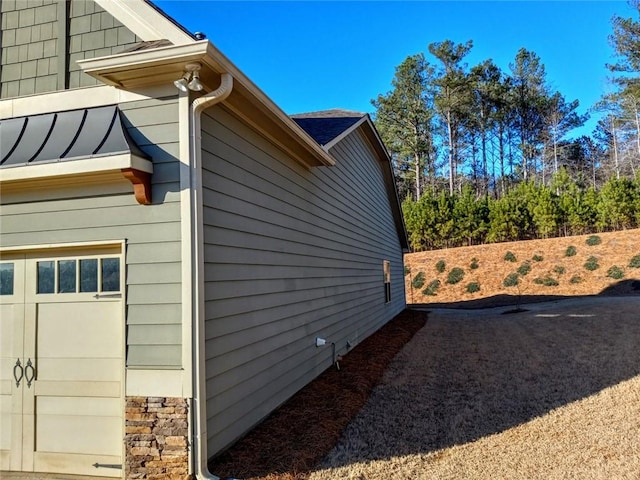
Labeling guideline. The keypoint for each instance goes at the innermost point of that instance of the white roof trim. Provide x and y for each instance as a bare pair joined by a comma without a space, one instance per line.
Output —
165,64
145,21
346,133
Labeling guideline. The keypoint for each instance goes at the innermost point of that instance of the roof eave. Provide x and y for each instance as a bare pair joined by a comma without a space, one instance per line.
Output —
141,69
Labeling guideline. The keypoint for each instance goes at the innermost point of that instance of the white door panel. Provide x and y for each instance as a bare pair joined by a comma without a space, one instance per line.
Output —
11,362
65,413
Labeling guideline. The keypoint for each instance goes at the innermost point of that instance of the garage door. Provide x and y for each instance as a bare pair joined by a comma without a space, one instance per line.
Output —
61,395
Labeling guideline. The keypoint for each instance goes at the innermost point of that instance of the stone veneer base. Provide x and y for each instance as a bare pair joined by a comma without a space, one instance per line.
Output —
156,438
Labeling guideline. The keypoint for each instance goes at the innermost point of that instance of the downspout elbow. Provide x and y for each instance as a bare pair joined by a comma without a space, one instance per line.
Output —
220,94
199,411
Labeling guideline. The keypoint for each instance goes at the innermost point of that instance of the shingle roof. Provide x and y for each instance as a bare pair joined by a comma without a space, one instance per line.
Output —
326,125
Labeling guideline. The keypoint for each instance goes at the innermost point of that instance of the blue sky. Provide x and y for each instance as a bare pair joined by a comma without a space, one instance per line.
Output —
308,55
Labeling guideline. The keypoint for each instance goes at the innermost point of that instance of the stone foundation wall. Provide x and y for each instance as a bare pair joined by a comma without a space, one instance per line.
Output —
156,438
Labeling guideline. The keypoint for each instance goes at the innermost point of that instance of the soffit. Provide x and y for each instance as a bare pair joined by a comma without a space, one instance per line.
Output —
141,69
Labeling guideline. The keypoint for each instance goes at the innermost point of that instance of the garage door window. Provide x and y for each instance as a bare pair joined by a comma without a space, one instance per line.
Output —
46,277
89,275
6,278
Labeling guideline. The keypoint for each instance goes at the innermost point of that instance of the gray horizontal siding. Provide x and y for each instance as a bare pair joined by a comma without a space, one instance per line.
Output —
290,254
153,233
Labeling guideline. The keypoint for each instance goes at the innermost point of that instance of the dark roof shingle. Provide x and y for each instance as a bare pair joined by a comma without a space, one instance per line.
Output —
326,125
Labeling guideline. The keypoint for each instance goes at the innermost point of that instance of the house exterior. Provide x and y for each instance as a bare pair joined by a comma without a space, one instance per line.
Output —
170,259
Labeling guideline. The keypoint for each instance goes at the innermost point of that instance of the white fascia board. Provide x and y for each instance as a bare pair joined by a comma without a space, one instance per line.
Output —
141,58
171,59
145,21
75,167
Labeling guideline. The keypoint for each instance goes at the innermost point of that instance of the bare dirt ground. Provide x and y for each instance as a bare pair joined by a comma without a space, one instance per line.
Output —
551,393
615,249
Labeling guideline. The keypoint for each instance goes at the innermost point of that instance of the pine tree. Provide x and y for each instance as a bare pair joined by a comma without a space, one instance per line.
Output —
453,96
404,118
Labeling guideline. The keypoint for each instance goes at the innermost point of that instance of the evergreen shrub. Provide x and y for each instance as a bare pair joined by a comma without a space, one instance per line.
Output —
455,275
615,272
432,288
510,257
473,287
474,263
511,280
547,281
575,280
594,240
407,270
635,262
559,269
440,266
571,251
538,258
418,280
524,268
591,264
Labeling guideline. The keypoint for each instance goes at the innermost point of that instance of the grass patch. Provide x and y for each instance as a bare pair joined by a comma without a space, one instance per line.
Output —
418,281
591,264
432,288
524,268
510,257
547,281
511,280
635,262
474,263
455,275
594,240
473,287
537,258
615,272
440,266
570,251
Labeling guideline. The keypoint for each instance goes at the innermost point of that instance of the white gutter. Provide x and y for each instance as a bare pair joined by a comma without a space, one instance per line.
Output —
199,411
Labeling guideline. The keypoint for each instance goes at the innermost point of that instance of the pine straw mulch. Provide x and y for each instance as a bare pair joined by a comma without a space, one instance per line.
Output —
293,439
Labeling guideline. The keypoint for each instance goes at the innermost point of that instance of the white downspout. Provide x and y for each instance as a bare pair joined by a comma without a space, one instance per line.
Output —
197,258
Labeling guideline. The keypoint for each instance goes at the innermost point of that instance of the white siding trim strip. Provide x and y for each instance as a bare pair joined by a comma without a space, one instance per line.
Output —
186,240
155,383
76,167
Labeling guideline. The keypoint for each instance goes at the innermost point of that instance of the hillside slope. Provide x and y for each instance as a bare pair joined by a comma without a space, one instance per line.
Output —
551,270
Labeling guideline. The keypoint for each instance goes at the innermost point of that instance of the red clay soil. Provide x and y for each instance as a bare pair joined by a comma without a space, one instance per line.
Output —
293,439
550,262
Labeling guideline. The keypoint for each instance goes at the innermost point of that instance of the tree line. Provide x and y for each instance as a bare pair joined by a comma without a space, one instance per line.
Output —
470,144
529,210
447,125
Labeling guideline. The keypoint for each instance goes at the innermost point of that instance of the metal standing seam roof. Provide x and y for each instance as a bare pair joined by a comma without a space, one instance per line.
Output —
64,136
